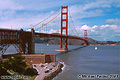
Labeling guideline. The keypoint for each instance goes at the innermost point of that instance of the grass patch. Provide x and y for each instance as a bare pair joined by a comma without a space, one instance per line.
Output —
17,66
31,78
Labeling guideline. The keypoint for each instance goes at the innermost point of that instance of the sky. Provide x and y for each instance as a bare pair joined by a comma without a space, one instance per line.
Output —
101,18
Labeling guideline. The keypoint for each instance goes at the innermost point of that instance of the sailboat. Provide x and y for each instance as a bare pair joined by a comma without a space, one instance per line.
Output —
47,44
96,48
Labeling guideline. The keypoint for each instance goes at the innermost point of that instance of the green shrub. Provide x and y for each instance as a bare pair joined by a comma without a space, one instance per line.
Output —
16,64
30,71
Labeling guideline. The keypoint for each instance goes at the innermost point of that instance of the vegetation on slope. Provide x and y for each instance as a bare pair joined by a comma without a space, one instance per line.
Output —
73,41
16,66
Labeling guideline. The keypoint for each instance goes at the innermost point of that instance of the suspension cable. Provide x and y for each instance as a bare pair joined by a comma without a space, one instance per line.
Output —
72,22
45,19
48,22
71,29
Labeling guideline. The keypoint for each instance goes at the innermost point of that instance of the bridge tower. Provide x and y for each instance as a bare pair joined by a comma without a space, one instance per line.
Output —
22,42
64,26
27,42
85,37
31,42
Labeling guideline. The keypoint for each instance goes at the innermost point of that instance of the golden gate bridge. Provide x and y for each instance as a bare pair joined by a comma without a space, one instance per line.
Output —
24,40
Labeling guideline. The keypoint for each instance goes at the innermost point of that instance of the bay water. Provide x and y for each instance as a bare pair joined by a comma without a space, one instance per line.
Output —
87,60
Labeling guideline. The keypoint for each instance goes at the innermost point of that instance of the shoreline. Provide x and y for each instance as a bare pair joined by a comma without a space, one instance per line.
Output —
51,74
55,73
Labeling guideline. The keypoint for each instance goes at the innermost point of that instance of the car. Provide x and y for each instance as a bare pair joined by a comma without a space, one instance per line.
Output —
50,69
42,66
46,71
34,65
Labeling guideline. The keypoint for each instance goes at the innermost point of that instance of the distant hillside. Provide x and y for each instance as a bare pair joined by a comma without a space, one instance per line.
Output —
118,41
74,41
5,29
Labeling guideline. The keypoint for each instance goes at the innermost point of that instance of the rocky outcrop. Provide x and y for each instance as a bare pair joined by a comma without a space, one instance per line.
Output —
53,74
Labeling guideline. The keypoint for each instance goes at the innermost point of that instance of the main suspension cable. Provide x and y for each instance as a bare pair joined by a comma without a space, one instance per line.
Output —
48,22
45,19
73,22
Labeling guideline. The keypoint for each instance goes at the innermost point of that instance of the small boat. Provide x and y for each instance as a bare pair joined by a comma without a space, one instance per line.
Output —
96,48
47,44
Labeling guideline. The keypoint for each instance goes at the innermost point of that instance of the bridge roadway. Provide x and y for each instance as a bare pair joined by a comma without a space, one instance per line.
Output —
24,41
58,36
13,36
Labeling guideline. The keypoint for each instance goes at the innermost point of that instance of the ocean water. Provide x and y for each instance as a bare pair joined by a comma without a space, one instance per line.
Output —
105,60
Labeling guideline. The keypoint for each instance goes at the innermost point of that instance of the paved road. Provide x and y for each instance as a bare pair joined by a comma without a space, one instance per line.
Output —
41,71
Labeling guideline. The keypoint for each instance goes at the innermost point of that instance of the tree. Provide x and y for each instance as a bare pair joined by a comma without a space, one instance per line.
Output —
30,71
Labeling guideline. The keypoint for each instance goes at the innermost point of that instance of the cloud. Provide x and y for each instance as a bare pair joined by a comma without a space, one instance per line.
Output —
112,21
20,13
117,3
103,32
118,12
98,11
26,20
85,27
90,9
9,4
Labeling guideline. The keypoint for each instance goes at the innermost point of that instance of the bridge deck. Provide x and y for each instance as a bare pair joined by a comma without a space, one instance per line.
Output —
12,36
58,36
